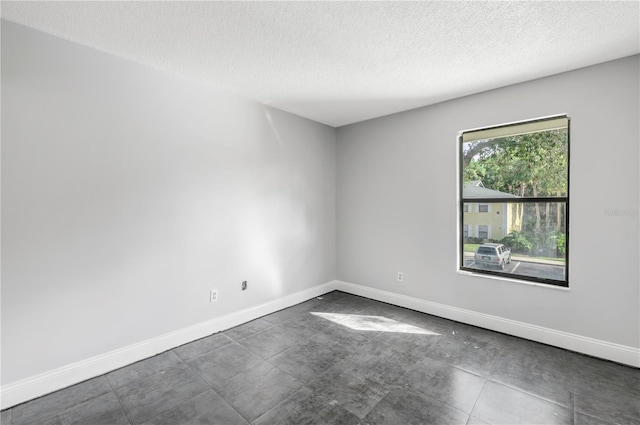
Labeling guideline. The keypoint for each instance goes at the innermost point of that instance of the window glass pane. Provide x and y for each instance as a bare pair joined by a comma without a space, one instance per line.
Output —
524,165
534,235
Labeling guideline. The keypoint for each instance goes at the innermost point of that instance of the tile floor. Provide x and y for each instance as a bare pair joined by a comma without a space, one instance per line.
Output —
343,359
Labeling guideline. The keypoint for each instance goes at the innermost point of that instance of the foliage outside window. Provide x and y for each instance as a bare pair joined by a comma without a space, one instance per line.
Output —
514,191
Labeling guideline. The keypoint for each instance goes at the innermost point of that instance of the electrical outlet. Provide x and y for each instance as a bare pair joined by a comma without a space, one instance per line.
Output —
400,277
244,285
213,295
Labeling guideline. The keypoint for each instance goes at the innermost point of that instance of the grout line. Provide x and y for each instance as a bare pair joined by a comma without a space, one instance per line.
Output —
63,411
283,401
9,413
210,387
530,393
478,397
573,411
118,398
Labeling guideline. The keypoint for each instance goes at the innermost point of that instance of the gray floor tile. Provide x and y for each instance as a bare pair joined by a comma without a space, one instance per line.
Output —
372,325
309,305
322,346
462,331
344,305
537,369
332,296
204,345
344,338
583,419
207,408
145,399
409,408
307,407
356,390
45,408
434,324
296,363
247,329
387,311
330,318
355,300
608,401
363,362
258,390
476,421
285,314
218,366
142,369
5,417
305,325
389,365
592,369
269,342
499,404
444,383
103,410
320,352
427,321
411,345
471,355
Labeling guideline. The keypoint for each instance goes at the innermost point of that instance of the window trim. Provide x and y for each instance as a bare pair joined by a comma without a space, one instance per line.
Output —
538,125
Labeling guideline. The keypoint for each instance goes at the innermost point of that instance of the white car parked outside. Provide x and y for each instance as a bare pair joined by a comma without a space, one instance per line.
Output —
493,255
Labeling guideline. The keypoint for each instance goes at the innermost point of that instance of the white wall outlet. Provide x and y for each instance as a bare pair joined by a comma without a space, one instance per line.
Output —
400,276
213,295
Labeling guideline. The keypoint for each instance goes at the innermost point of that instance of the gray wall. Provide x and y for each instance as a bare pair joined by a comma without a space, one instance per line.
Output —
397,208
127,194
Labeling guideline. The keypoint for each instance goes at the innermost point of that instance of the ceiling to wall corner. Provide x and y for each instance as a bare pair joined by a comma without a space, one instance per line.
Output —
343,62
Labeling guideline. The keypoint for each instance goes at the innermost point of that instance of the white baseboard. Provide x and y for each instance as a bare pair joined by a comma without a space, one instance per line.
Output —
593,347
45,383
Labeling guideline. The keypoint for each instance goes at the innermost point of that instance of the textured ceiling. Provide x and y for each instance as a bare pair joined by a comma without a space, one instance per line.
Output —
343,62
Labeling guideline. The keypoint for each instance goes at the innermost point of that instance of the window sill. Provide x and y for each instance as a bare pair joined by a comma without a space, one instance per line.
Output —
512,280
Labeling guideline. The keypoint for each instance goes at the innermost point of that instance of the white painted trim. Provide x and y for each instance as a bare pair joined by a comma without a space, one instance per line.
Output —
582,344
45,383
503,278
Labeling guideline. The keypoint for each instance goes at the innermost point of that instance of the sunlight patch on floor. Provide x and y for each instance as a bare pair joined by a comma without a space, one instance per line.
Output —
373,323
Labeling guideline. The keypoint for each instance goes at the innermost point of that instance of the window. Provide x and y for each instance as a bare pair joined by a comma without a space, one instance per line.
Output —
520,171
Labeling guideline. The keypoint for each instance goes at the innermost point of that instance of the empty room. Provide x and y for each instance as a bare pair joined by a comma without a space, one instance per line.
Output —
320,212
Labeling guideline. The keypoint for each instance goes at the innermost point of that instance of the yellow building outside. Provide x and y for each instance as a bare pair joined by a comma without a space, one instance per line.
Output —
493,220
